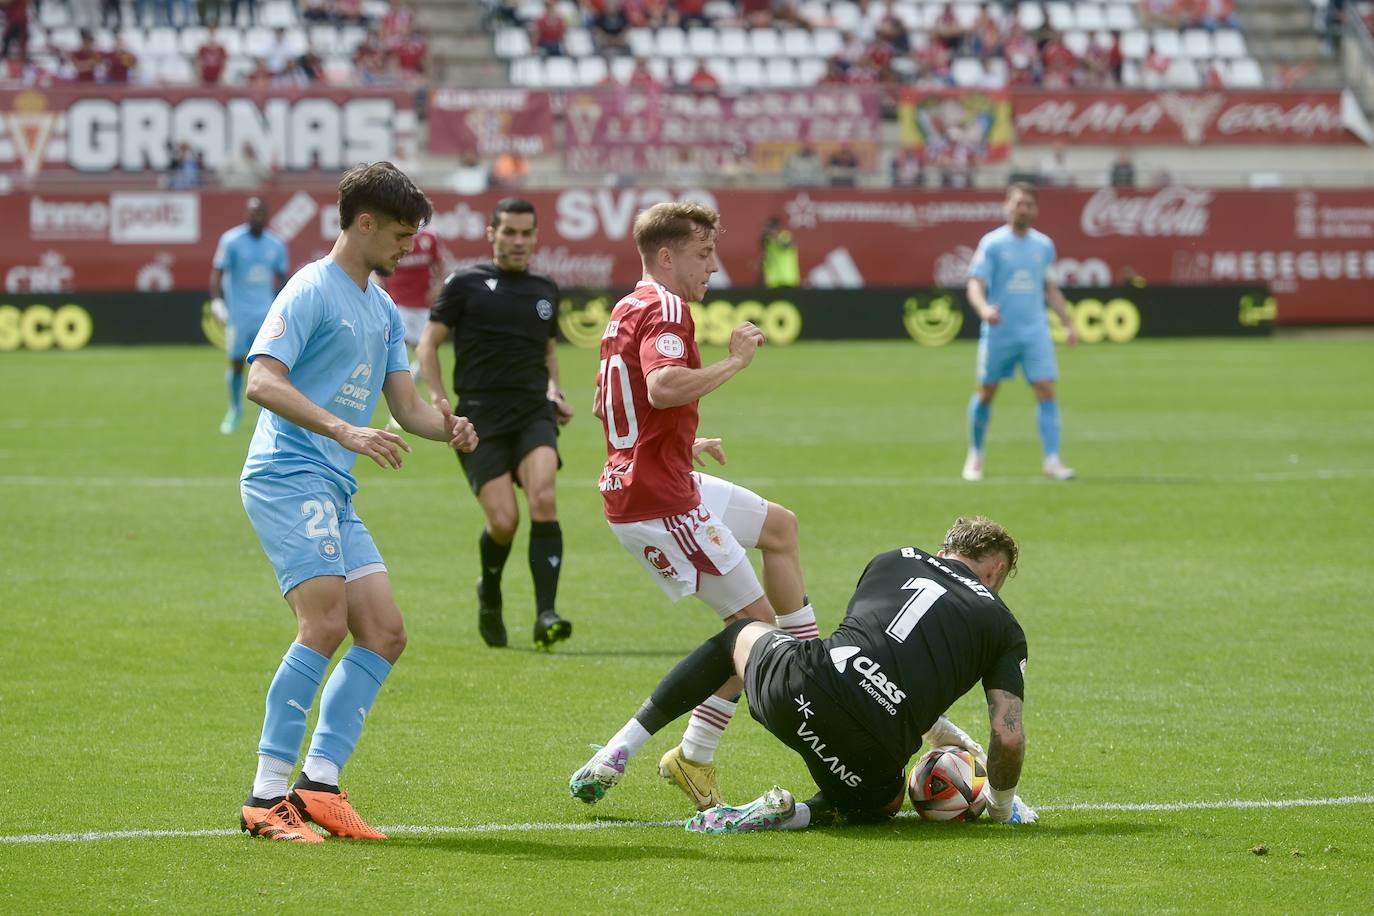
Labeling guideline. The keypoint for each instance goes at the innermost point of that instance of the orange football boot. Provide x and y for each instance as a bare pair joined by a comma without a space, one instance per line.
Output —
328,806
278,820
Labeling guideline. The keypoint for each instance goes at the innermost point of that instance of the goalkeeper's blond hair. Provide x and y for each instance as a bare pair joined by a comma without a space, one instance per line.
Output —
979,537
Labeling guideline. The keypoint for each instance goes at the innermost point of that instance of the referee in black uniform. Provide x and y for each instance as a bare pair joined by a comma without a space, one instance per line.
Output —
920,631
505,377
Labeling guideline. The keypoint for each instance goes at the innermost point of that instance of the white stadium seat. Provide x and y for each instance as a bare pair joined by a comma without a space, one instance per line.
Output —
511,43
560,73
814,12
966,71
621,68
723,69
765,43
845,15
1229,43
1121,16
1166,42
828,42
670,42
591,70
1197,44
749,73
641,42
810,71
162,42
732,42
1135,45
682,69
1077,42
780,73
578,43
527,72
1061,15
1244,73
797,43
277,14
1182,74
1089,17
701,42
1031,16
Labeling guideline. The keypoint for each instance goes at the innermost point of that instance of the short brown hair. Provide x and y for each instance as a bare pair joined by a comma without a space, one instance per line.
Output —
979,537
384,190
1025,187
674,224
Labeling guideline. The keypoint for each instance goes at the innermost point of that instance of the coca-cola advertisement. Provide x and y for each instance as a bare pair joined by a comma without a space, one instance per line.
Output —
1313,249
662,132
1188,118
489,122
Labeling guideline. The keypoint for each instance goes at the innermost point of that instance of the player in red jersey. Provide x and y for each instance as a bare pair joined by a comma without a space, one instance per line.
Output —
688,530
413,285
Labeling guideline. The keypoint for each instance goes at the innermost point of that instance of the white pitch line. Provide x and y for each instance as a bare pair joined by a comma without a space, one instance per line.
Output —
532,827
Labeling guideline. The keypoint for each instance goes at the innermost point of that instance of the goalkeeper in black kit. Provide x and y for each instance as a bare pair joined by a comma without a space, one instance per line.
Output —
920,630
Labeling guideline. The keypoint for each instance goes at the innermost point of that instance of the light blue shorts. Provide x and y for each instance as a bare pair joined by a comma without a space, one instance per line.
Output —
998,358
239,333
308,528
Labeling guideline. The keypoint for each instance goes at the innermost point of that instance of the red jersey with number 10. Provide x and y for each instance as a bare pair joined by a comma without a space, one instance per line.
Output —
648,471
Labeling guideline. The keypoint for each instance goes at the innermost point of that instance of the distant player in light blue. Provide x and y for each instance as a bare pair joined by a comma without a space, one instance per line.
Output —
332,341
1010,281
249,268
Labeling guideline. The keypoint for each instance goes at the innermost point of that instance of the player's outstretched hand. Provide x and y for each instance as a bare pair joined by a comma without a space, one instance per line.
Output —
382,446
461,434
711,447
744,341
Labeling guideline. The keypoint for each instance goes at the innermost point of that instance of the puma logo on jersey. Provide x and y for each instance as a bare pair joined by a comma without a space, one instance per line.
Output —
351,325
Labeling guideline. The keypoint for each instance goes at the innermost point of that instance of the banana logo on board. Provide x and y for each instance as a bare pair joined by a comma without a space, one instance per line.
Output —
584,325
212,327
934,324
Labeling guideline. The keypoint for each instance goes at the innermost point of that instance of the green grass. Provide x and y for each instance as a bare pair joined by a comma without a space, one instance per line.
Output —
1195,604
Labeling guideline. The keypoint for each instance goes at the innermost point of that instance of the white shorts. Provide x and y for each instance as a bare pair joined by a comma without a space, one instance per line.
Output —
414,321
702,551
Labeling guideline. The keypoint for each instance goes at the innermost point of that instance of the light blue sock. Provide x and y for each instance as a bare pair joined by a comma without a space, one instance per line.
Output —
1047,418
234,380
978,414
345,703
289,700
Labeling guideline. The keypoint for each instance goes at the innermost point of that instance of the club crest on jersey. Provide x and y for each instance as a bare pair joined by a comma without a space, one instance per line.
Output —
275,327
544,309
670,345
713,535
329,549
659,561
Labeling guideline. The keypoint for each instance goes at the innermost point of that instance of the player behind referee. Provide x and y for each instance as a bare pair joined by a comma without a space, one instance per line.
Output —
505,376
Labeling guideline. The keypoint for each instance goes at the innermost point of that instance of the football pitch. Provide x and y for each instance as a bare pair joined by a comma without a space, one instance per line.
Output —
1196,606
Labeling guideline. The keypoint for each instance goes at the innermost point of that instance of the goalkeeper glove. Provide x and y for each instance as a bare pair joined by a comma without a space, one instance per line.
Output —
945,733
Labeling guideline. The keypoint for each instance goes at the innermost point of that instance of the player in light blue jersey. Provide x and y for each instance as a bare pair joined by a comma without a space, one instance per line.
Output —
1011,278
249,268
331,343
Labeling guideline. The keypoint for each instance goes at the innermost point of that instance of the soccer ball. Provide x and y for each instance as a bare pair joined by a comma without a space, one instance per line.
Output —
948,784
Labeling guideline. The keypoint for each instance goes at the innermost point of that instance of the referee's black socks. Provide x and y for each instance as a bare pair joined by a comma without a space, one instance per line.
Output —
493,562
546,560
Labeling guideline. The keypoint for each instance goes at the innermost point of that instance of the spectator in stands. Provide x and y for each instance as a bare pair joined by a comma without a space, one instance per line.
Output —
510,169
111,14
244,171
85,13
310,66
836,71
1054,168
737,165
642,78
1220,14
472,176
211,57
955,162
1290,75
609,28
691,13
187,168
261,76
119,61
892,34
85,60
16,14
1095,69
947,30
908,168
369,60
208,11
252,11
803,168
703,81
986,37
546,32
397,22
648,14
280,55
842,168
316,11
1122,171
350,12
756,14
1213,77
1160,14
682,170
1059,63
411,55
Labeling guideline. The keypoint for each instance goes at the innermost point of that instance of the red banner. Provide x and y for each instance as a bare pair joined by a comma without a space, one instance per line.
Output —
490,122
961,127
1191,118
112,129
1315,249
629,130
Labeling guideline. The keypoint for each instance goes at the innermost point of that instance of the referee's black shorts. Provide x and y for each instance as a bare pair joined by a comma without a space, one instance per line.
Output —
853,771
507,430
